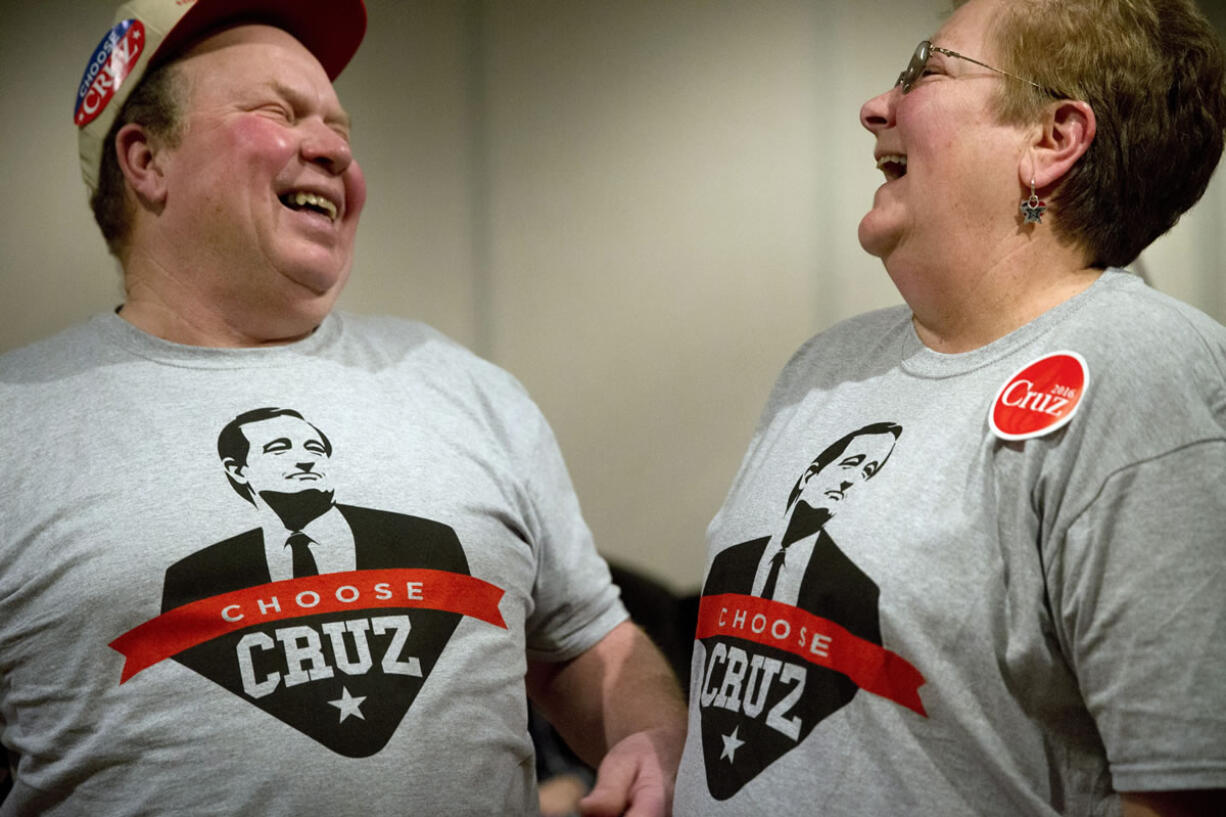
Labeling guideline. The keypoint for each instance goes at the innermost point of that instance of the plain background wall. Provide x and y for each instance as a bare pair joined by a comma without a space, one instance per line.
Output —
639,207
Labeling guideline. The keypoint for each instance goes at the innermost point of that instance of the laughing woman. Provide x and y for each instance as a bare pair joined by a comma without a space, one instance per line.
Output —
974,562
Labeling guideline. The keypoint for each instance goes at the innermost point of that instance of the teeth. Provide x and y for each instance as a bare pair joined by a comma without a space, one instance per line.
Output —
892,159
304,199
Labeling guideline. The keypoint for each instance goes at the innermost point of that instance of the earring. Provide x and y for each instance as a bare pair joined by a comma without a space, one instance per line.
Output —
1032,208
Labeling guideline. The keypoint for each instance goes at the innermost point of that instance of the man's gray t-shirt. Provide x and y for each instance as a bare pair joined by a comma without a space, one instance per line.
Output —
150,664
977,623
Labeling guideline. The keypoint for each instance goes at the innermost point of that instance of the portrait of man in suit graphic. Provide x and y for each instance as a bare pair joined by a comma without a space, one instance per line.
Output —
280,465
798,564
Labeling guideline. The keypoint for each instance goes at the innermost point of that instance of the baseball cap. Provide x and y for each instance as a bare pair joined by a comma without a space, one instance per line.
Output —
149,32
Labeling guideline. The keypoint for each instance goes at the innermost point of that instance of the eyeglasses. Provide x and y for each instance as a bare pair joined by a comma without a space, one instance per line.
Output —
915,68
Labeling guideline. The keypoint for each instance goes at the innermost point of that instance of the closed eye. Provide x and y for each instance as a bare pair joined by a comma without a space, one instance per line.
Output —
277,109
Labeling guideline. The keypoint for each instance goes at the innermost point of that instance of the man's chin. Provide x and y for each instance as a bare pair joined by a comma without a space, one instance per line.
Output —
805,521
321,271
296,509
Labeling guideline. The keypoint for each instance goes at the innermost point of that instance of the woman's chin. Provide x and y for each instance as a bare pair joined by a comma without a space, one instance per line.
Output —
874,238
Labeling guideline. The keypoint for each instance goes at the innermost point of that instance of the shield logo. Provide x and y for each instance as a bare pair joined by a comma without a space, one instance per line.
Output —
340,657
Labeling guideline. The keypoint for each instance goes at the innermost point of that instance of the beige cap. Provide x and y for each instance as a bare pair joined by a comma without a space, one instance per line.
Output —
149,32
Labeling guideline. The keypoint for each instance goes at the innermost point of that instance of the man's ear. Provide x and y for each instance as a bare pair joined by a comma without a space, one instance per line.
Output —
141,160
1062,137
234,469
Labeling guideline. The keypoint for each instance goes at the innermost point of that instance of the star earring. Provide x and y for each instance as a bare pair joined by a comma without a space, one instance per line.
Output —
1032,208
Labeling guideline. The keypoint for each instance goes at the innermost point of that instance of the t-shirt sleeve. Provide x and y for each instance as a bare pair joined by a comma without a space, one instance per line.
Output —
1139,597
575,601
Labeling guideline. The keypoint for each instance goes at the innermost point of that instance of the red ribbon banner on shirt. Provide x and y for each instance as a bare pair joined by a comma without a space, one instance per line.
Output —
816,640
200,621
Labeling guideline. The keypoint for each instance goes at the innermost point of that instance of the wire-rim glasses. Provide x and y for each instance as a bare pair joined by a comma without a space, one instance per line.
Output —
915,68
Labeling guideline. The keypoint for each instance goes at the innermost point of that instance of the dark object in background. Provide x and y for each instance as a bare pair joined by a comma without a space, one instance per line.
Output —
668,619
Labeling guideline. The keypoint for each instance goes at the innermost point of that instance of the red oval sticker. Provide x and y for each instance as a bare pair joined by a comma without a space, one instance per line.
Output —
110,65
1041,397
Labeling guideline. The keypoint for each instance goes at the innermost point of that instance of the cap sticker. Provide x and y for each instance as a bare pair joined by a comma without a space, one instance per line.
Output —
108,67
1041,397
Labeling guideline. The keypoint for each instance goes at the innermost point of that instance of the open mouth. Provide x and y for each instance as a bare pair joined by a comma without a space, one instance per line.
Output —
302,200
893,165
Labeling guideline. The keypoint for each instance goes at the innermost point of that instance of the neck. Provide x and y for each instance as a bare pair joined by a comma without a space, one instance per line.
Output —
294,510
962,307
201,328
174,307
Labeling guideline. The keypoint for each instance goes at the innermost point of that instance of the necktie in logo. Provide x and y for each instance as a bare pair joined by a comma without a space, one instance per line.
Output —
772,578
304,562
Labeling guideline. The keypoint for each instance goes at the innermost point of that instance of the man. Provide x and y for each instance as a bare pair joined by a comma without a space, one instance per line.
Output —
769,677
369,658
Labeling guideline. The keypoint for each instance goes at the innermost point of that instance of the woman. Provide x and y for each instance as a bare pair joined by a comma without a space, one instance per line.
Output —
1014,602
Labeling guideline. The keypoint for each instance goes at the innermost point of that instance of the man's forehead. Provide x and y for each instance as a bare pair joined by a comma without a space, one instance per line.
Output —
857,446
284,50
285,425
282,67
869,442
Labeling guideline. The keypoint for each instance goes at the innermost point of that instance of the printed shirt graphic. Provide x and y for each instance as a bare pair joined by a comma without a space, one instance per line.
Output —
440,496
339,656
981,547
790,625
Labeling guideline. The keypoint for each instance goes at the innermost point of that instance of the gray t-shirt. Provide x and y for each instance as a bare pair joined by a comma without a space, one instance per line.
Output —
161,652
961,622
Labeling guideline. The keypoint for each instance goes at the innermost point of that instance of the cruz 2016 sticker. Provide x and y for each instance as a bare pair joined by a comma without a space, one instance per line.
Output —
789,625
329,617
109,66
1041,397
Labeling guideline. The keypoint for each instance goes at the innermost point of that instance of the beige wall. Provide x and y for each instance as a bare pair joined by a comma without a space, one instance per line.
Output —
639,207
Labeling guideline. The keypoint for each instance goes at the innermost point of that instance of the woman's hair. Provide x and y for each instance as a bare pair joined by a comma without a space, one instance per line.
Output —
1152,70
155,104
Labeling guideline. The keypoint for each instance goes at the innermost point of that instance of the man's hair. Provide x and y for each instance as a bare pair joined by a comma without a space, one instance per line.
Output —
157,105
836,448
232,443
1153,72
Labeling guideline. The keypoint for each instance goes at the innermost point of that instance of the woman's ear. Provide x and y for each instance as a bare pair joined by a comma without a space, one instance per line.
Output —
1063,137
140,160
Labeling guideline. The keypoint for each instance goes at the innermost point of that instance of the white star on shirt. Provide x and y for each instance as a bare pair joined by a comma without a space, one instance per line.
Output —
349,705
731,744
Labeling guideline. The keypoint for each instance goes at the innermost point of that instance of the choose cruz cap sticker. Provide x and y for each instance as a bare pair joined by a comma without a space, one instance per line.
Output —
1041,397
108,67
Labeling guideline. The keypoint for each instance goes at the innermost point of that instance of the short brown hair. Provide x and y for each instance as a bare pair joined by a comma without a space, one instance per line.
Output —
157,105
1155,75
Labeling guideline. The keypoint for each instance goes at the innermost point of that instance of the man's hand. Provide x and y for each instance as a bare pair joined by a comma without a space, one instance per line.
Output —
560,795
620,708
636,777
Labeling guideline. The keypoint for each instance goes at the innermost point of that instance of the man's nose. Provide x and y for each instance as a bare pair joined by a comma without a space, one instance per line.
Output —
327,148
305,466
